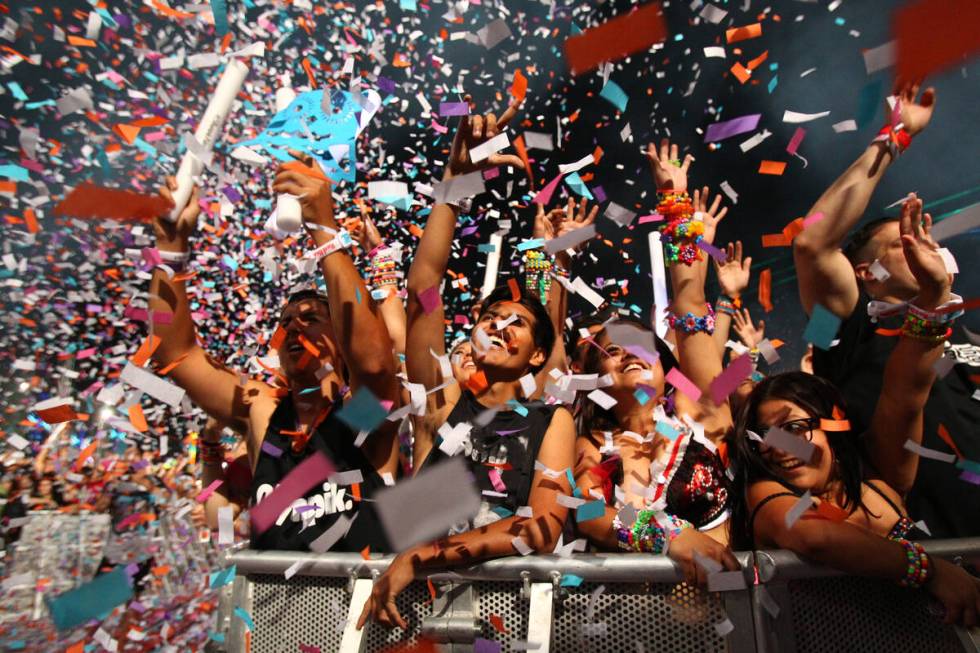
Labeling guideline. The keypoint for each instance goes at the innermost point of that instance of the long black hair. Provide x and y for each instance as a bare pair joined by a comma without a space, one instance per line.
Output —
818,397
590,416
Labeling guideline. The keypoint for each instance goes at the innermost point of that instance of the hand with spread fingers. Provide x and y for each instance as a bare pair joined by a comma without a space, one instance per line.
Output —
177,233
669,172
922,255
711,215
363,230
473,131
750,334
304,179
563,220
733,274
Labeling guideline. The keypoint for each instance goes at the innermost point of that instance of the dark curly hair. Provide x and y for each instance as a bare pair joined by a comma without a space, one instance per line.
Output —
542,329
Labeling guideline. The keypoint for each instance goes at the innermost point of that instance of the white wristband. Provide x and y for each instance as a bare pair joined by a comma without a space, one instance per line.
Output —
341,241
174,257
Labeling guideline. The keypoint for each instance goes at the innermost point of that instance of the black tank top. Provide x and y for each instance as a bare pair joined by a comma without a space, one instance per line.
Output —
328,500
507,446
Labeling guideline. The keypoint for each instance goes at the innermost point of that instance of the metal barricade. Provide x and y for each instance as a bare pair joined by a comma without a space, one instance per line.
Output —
642,605
803,608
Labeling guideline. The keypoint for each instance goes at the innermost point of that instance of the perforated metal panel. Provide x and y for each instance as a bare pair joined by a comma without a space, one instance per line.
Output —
837,615
503,600
307,610
661,617
413,605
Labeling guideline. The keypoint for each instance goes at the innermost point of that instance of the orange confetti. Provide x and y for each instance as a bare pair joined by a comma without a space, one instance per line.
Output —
740,72
80,42
498,623
518,89
515,290
366,552
765,289
162,570
145,351
137,418
30,220
774,240
309,72
772,167
836,425
171,366
86,454
477,382
127,132
755,63
830,512
90,201
736,34
944,434
617,38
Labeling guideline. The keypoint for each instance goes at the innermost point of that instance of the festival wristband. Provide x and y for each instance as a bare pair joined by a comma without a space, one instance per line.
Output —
341,241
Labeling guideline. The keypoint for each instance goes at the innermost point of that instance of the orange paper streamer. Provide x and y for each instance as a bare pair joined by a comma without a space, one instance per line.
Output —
772,167
765,289
91,201
616,38
736,34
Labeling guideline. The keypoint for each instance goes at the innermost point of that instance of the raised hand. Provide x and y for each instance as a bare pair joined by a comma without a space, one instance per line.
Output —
733,274
922,255
363,230
914,115
563,220
177,233
669,173
474,130
305,179
750,334
710,215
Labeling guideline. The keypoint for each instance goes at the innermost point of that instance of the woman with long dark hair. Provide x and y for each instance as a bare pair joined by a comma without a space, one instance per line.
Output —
805,482
653,458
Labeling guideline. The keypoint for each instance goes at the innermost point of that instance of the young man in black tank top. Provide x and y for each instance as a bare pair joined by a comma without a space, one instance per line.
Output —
314,341
511,341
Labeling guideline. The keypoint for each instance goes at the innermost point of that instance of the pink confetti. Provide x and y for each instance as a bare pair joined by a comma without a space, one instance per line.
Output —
430,300
308,473
725,383
677,379
208,491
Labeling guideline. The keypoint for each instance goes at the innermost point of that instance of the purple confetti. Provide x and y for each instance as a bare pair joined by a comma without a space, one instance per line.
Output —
719,131
454,109
271,449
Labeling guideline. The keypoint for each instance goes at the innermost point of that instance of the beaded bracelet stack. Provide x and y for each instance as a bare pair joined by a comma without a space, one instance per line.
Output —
212,453
691,323
682,233
537,273
932,327
646,534
728,305
918,570
383,269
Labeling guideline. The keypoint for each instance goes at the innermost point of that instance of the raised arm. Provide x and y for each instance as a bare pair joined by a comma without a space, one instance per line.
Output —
824,273
426,328
540,532
733,278
548,226
208,383
909,371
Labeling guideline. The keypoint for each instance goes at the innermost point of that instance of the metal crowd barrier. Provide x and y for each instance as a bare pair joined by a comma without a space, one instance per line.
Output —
624,603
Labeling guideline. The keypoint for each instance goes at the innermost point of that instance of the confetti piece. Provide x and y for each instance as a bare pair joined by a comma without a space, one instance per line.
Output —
419,509
518,89
781,439
308,473
934,34
677,379
90,201
719,131
726,383
55,410
822,327
736,34
590,510
616,38
206,493
363,411
771,168
801,506
92,599
794,117
615,95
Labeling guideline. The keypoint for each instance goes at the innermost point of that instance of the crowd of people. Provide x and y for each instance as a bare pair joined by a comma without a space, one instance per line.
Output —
686,456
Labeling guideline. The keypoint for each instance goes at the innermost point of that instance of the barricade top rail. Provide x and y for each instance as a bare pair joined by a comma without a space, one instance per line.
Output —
780,564
603,567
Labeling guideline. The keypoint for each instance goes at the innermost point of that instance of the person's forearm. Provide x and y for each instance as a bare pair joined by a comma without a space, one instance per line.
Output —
492,541
361,333
211,472
600,532
847,548
432,256
393,313
177,334
843,204
723,325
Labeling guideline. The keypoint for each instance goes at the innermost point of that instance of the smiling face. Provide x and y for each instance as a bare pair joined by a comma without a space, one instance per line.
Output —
308,320
628,371
462,361
509,328
814,475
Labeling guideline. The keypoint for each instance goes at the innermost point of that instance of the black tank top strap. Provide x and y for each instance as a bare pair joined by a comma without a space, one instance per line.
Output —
758,507
884,496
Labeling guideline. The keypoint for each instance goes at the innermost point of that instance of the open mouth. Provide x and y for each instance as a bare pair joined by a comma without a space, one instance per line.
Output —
497,341
633,367
295,348
789,464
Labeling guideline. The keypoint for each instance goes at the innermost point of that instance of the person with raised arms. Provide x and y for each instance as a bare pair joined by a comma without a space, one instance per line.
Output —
319,357
517,450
